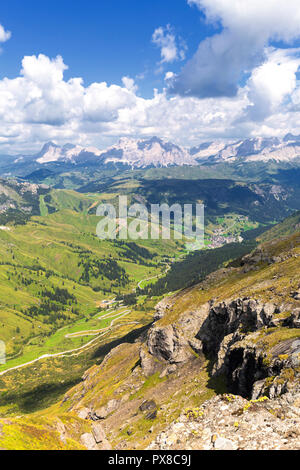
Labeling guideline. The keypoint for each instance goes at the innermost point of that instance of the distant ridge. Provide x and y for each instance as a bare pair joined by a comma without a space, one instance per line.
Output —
154,152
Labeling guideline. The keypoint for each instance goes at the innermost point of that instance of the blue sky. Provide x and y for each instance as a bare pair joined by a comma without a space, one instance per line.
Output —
90,72
99,40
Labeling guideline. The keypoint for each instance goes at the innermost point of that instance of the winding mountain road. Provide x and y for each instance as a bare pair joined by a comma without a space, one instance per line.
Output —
71,352
98,333
154,277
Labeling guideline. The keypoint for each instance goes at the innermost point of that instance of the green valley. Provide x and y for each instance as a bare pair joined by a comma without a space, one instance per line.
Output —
55,271
68,298
149,228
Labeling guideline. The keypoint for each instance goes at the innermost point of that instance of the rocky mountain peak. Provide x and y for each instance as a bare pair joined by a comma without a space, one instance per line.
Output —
157,152
144,153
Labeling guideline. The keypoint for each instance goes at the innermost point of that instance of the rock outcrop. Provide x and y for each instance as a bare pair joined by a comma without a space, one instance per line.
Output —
227,333
96,440
175,343
229,422
237,331
293,321
226,318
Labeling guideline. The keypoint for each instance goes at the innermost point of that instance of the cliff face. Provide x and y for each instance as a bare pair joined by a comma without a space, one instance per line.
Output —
233,335
231,343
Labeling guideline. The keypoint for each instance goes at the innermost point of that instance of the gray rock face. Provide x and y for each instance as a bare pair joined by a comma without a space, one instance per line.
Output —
148,362
227,317
230,422
96,440
170,344
226,333
294,320
161,309
220,332
168,370
277,389
252,374
167,344
258,389
244,365
148,405
296,295
247,366
89,442
100,437
222,443
84,413
98,433
175,343
104,411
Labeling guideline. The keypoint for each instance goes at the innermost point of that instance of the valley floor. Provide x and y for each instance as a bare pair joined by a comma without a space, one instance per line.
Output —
100,356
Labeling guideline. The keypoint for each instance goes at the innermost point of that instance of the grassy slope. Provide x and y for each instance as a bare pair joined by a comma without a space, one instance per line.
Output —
268,283
53,242
287,227
47,252
189,387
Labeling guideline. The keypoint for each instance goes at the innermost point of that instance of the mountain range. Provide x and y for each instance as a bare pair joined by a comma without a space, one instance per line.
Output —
155,152
224,337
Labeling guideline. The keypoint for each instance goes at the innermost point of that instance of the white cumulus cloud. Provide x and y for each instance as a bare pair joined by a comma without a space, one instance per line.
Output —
42,70
129,83
170,49
40,105
4,35
272,83
248,27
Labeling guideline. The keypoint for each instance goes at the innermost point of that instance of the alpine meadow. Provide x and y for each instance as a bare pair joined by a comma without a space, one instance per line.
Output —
150,228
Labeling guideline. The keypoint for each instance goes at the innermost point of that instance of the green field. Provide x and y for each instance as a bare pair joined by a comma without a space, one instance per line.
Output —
60,340
55,274
58,257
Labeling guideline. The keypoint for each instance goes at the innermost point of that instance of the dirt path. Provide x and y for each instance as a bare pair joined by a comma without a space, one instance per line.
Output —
78,334
69,353
155,277
97,333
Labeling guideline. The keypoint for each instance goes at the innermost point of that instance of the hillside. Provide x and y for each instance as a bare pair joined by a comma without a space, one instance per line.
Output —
57,285
58,282
232,207
19,200
236,334
286,228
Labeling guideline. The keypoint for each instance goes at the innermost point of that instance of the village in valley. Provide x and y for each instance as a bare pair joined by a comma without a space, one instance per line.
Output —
228,230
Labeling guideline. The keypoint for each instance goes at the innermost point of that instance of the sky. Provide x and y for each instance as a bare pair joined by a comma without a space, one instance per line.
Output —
90,72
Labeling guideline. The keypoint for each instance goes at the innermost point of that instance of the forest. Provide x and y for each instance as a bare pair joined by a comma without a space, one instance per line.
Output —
195,267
